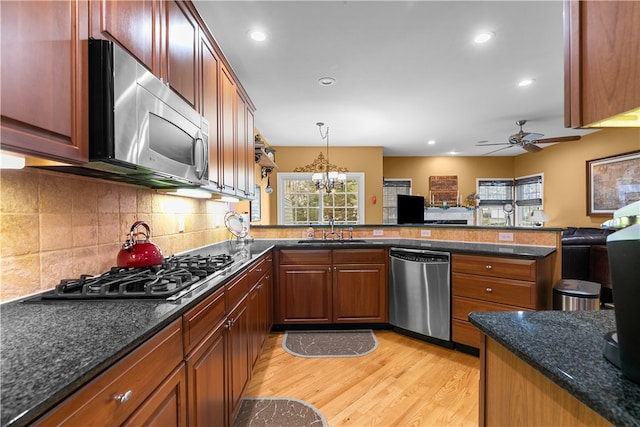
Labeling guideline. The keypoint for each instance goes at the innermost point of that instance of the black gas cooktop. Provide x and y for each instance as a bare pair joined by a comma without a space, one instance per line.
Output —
176,273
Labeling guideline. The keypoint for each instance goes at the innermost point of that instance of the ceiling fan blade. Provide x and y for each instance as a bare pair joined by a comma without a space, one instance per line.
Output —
499,149
557,139
492,143
532,148
529,137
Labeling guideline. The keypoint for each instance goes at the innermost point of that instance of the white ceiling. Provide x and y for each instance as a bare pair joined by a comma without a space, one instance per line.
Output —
406,71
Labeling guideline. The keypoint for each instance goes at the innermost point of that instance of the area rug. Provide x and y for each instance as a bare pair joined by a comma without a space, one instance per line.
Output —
282,411
329,343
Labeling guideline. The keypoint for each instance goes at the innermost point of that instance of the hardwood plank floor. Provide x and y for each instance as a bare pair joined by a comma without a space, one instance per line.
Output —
404,382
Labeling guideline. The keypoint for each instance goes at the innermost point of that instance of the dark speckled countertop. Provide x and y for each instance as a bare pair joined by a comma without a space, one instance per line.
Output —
48,349
566,347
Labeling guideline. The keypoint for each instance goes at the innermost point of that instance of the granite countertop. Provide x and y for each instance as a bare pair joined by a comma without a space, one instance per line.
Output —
51,348
566,347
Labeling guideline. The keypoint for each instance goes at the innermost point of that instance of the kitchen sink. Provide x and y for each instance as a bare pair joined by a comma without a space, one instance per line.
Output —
331,241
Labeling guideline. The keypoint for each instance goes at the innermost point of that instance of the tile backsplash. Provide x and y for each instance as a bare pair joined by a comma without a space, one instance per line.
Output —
55,226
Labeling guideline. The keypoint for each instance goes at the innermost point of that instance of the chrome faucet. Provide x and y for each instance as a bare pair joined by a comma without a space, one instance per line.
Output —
332,222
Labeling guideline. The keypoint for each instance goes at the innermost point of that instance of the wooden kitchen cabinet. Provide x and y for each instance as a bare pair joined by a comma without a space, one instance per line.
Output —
360,291
180,44
162,35
602,71
304,286
238,355
332,286
489,283
44,89
146,384
260,305
209,64
206,351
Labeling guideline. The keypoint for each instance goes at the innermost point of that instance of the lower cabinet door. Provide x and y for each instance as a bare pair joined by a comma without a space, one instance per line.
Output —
304,294
206,379
166,406
239,356
360,293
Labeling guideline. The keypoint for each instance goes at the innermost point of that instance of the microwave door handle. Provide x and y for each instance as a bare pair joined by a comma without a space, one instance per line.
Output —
201,161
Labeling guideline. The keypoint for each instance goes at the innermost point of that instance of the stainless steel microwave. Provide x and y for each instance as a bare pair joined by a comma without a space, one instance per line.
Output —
140,129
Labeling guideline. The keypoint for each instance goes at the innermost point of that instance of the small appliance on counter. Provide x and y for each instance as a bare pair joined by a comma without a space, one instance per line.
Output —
622,347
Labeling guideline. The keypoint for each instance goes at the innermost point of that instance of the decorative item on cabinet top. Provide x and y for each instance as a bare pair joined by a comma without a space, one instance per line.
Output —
264,156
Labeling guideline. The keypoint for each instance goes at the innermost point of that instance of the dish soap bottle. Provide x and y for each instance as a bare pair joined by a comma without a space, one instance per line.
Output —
310,233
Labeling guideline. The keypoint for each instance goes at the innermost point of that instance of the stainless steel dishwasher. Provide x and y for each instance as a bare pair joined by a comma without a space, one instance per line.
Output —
420,292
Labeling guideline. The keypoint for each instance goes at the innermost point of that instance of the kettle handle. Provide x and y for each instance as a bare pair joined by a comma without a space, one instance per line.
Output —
131,240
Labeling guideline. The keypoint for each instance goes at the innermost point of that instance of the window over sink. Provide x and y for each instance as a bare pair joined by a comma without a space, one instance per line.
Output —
299,203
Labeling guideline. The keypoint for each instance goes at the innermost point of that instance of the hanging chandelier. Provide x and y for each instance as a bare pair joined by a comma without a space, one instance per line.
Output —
328,180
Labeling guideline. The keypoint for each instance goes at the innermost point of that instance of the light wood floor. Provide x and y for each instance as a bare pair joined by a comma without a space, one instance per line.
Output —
404,382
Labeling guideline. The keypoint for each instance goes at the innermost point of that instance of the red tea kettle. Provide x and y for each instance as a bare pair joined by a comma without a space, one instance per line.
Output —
139,253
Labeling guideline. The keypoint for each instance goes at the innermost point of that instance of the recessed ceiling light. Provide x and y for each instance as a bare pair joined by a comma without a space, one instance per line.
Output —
483,37
326,81
526,82
257,35
431,142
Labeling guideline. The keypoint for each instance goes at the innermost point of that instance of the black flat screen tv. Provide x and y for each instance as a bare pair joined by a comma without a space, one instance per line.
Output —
410,209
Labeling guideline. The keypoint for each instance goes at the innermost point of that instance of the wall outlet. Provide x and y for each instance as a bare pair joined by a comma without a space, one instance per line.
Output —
505,237
180,224
425,233
378,232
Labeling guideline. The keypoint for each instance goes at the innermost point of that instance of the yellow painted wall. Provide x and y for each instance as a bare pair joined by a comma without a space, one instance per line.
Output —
355,159
563,166
565,173
467,169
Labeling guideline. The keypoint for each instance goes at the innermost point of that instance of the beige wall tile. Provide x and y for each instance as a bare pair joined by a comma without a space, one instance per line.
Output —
84,196
143,201
85,261
84,229
19,276
55,231
109,230
56,193
108,198
55,266
108,256
19,192
128,199
20,234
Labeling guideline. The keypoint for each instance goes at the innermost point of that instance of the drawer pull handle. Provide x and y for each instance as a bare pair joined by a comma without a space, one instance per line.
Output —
123,397
259,270
488,267
489,290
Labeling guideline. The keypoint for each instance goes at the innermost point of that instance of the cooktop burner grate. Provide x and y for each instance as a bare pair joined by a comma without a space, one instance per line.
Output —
176,273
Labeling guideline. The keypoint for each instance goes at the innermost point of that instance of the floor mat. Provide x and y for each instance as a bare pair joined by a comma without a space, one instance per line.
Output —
284,412
329,343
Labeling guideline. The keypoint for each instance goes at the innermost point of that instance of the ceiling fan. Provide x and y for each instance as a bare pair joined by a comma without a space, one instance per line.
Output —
528,140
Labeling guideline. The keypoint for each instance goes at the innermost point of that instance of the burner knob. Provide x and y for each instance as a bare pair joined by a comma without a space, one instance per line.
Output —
121,398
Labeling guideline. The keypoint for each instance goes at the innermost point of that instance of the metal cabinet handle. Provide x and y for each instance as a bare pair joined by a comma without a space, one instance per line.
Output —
259,270
488,267
489,290
123,397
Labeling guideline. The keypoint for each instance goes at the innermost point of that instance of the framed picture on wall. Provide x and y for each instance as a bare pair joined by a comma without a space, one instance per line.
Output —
612,182
255,205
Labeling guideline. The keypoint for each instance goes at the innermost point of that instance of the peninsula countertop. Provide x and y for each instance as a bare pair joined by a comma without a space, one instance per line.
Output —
566,347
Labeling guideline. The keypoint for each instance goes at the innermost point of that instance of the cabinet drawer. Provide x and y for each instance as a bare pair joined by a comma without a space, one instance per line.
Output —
305,256
257,270
136,376
508,268
503,291
358,256
461,307
465,333
201,319
235,290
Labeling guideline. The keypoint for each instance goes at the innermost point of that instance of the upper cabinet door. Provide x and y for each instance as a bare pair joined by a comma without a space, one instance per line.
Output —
209,104
181,44
44,78
133,24
602,70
